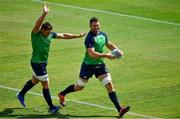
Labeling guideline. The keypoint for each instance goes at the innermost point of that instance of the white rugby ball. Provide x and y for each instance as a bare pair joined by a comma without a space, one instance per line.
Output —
116,53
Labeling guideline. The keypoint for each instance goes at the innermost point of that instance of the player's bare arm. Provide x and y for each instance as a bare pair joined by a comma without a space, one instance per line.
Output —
112,46
93,54
69,35
41,18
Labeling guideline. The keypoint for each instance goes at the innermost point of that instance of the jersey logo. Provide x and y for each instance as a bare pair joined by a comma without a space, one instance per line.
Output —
84,77
100,39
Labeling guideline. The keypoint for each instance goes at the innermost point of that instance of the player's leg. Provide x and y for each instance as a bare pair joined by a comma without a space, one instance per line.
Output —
107,81
28,85
71,88
47,96
74,87
40,73
103,75
84,76
46,93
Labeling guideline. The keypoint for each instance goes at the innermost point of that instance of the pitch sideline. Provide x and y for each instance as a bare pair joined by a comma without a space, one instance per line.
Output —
111,13
81,102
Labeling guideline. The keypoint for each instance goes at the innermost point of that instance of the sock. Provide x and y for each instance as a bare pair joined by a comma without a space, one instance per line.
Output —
47,97
69,89
115,101
26,87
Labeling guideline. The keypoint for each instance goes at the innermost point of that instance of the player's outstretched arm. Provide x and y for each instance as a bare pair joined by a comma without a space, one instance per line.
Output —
69,35
41,18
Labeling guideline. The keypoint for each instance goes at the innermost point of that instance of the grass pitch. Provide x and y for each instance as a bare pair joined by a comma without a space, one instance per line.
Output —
146,78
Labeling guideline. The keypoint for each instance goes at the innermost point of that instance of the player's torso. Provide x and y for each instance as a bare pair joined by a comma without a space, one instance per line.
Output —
99,41
41,46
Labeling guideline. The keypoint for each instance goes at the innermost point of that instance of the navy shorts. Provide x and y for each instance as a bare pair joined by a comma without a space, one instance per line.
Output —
39,68
87,71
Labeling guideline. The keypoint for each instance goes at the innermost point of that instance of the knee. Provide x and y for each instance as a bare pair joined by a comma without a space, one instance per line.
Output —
34,80
45,84
107,82
80,84
109,87
78,88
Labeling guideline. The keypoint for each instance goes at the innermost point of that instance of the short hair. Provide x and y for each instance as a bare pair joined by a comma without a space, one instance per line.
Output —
93,19
46,26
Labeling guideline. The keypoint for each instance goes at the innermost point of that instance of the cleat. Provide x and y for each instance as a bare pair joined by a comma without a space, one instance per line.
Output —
123,111
21,99
62,99
54,109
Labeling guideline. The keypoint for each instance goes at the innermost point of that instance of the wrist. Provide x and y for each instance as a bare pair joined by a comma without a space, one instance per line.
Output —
103,55
79,36
45,13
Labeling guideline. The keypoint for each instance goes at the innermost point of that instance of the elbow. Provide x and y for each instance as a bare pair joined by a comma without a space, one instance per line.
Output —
91,55
94,55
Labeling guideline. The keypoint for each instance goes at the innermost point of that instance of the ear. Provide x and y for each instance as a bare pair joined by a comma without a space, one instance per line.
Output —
90,25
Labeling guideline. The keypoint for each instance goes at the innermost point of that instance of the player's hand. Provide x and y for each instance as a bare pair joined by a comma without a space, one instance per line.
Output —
45,8
120,52
82,34
110,56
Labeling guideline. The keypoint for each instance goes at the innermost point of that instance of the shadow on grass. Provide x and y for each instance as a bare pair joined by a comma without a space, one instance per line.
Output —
8,112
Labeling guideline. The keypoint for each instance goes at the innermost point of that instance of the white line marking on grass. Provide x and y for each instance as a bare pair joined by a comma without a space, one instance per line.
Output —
80,102
112,13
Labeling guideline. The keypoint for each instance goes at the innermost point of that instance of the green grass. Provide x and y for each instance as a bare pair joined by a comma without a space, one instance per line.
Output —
146,78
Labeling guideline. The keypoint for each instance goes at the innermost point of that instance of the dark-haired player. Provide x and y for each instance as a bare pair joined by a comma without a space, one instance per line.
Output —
41,37
93,64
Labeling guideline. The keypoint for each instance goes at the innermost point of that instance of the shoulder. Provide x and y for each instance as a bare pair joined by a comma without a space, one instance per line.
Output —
102,33
53,34
89,35
34,34
89,41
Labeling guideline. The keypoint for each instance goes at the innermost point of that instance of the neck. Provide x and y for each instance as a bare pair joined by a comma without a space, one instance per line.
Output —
95,32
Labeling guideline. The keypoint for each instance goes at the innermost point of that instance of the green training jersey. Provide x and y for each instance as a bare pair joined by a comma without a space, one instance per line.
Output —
41,46
97,42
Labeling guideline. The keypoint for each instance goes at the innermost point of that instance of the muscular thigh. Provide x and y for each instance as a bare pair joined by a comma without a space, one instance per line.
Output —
100,70
45,84
86,71
39,71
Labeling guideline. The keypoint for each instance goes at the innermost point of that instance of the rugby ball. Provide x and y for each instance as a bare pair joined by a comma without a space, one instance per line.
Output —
116,53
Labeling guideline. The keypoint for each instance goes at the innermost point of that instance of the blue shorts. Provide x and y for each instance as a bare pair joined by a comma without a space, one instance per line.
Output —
87,71
39,68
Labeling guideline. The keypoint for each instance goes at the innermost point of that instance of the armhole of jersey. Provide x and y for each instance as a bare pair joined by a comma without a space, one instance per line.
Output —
89,45
106,38
34,33
54,34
